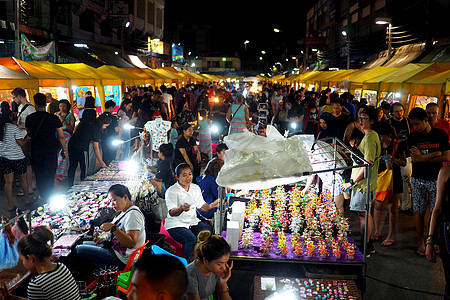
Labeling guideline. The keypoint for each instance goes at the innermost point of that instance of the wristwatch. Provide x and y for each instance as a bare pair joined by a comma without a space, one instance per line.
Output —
113,228
352,182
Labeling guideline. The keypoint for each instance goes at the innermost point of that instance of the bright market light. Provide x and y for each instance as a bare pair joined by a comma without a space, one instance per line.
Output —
344,33
263,52
57,202
128,126
276,30
130,166
116,53
215,129
2,42
294,125
117,142
127,24
80,45
260,58
224,59
397,95
314,50
216,99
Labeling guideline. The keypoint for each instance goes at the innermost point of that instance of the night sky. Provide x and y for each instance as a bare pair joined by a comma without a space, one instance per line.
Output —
232,22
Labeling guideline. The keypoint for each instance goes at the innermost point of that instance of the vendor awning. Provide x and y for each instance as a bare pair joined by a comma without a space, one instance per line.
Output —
376,60
127,78
46,78
433,86
357,80
77,55
148,78
392,82
105,77
77,79
439,54
110,57
10,79
405,54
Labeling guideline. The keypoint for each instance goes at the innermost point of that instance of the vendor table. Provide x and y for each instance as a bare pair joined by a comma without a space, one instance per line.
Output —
303,288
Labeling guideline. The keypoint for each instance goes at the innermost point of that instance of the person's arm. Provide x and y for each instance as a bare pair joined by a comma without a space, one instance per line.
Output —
348,132
7,296
416,156
247,118
443,176
186,158
309,181
209,206
175,212
199,156
222,287
70,126
127,238
443,158
229,115
401,160
98,155
62,141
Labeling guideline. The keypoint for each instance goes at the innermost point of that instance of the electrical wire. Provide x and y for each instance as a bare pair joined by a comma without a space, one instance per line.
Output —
404,288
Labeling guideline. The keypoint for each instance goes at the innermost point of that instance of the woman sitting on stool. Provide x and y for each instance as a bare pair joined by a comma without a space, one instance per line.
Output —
182,199
127,233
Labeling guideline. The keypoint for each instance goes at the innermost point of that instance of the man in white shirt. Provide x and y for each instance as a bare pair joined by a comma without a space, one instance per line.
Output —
81,102
25,109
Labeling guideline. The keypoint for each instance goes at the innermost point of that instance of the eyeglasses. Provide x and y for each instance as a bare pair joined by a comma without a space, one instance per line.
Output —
363,118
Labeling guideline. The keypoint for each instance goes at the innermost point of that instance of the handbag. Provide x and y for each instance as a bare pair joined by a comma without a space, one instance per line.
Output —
385,182
115,244
9,255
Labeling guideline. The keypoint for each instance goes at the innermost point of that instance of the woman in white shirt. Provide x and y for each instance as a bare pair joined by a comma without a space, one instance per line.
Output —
182,199
127,233
12,159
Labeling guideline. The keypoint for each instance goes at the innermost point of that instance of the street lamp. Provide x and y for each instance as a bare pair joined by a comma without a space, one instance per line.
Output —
125,24
245,44
276,30
388,21
344,33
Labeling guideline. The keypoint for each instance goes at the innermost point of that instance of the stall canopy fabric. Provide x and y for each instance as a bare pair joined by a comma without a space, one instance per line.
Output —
127,78
77,79
376,60
405,54
439,54
77,55
10,79
357,80
105,77
391,82
436,85
110,57
46,78
149,79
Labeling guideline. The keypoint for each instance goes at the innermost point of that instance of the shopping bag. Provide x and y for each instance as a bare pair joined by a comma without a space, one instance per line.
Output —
9,255
385,185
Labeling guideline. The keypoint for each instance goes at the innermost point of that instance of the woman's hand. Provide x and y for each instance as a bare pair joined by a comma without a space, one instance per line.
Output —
226,274
346,186
106,226
430,253
215,204
96,239
103,165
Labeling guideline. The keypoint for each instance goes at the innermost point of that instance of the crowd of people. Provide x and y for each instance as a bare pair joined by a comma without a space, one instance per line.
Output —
46,142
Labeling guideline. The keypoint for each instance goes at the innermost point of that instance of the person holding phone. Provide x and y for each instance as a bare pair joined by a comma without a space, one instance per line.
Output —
182,199
209,273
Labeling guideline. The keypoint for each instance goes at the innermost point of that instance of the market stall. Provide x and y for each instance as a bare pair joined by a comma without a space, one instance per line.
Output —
278,224
10,79
54,83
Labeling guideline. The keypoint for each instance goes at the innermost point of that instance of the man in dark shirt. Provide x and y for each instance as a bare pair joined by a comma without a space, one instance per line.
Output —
429,148
340,119
402,127
43,128
164,177
110,134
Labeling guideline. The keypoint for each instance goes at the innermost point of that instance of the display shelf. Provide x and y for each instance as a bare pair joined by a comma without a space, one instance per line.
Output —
303,288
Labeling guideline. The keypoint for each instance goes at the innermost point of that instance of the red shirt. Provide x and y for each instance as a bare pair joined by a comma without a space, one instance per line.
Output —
444,125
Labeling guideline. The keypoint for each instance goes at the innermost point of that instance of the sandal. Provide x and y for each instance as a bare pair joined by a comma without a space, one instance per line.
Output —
375,237
12,209
20,193
388,243
420,252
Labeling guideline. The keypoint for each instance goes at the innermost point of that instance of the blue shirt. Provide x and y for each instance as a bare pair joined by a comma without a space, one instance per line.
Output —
351,108
210,192
81,101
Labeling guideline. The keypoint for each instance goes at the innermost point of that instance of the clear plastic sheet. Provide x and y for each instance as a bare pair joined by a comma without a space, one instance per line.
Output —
256,162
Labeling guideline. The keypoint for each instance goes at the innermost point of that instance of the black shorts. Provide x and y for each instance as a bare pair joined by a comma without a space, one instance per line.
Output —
18,167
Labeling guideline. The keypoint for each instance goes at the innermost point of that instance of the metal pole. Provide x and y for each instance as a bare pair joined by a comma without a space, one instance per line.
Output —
348,54
16,30
389,40
367,175
221,197
121,41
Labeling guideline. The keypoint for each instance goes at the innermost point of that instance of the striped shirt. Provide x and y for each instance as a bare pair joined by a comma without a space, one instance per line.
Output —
8,147
54,285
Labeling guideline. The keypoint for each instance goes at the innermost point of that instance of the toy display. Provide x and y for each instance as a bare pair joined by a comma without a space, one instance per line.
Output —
287,225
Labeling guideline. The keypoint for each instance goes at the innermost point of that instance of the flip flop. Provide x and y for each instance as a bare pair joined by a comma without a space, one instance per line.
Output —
420,252
375,237
12,209
386,243
20,193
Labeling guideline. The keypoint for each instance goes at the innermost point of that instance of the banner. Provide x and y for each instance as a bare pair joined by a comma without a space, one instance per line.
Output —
30,52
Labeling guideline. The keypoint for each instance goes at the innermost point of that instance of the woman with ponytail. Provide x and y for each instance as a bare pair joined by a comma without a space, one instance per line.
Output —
53,280
209,273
